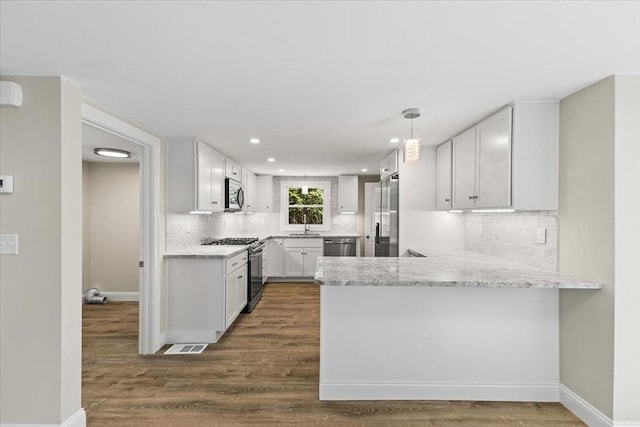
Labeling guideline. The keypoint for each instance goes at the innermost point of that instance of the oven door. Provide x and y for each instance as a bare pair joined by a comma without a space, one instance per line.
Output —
255,282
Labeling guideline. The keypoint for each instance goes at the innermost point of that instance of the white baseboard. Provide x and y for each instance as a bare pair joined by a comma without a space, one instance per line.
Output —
484,392
121,296
188,337
583,409
78,419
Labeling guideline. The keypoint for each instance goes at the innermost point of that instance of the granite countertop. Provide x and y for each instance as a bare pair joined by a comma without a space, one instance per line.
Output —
207,251
319,235
462,269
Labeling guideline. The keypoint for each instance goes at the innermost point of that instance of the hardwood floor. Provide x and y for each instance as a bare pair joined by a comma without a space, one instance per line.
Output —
264,371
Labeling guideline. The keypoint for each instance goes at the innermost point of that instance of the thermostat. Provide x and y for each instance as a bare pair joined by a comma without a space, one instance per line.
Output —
6,184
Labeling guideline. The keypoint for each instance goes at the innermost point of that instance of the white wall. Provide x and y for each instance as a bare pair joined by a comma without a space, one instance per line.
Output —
420,225
40,308
112,212
626,379
586,242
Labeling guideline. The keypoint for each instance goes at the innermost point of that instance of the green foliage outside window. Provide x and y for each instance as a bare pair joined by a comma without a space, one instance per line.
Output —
310,204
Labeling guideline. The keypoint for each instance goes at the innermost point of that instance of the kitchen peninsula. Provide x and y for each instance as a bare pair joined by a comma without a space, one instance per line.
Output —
453,325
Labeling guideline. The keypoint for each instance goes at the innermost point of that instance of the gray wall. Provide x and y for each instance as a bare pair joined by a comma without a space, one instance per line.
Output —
586,242
40,308
112,226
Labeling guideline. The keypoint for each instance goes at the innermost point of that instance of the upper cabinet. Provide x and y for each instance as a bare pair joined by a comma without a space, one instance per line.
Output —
264,193
508,161
249,181
348,193
443,179
389,165
233,169
195,176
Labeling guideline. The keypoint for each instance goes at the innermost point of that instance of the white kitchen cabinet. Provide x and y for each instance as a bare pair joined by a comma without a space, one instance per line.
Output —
443,179
300,256
232,169
348,193
235,294
509,160
249,181
264,193
389,165
195,176
205,296
275,259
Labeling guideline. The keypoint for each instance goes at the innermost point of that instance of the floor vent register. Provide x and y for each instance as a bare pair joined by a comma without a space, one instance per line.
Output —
186,349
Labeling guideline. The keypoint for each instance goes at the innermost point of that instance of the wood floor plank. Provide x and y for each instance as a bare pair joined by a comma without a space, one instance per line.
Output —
264,371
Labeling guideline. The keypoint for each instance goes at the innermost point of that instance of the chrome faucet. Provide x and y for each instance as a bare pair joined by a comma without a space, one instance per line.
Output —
306,225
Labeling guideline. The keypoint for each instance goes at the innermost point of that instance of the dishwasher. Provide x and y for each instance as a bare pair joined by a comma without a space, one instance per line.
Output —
344,246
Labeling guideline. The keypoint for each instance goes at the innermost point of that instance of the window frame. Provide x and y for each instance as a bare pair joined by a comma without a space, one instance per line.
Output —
284,207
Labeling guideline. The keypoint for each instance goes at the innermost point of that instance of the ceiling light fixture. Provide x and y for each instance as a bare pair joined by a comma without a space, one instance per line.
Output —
254,141
411,145
305,187
394,140
271,159
112,152
280,170
364,170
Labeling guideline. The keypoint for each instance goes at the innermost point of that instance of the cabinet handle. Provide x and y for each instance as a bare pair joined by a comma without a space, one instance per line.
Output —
385,170
447,200
215,203
234,264
240,276
473,197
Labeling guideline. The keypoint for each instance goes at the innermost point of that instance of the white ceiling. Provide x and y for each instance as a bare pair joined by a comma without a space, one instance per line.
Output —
322,84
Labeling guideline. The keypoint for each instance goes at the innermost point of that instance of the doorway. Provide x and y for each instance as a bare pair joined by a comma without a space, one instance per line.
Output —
150,338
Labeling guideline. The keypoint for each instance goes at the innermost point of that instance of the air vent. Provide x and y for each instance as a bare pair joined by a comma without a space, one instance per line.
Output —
186,349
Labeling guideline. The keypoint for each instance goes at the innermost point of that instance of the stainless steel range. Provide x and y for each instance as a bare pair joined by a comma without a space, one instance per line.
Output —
255,248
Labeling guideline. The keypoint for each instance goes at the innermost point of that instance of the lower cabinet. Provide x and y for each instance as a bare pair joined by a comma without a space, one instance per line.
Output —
205,296
300,256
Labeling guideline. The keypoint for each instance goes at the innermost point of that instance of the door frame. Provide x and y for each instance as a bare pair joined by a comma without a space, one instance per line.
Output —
150,339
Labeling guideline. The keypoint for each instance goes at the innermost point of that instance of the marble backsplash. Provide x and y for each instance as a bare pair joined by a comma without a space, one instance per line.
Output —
513,236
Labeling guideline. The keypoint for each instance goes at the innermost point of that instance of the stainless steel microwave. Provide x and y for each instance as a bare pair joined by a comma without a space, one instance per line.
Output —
233,195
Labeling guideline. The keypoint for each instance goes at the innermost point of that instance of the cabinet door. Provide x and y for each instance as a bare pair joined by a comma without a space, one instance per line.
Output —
275,258
293,262
230,298
310,259
389,165
249,181
464,169
217,181
493,168
443,180
241,287
204,155
348,193
264,193
233,169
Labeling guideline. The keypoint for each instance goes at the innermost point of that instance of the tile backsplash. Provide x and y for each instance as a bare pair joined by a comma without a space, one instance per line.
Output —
513,236
184,230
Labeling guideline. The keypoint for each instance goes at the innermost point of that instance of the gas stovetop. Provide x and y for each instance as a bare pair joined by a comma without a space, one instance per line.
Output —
240,241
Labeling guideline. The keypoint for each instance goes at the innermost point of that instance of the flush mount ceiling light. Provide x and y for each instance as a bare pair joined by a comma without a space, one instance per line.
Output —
271,159
394,140
363,170
411,145
254,141
112,152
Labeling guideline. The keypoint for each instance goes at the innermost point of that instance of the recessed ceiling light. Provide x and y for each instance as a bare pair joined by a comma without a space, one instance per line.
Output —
254,141
364,170
112,152
271,159
394,140
280,170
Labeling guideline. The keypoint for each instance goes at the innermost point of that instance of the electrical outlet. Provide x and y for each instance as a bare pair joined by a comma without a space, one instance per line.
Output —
8,244
480,229
542,236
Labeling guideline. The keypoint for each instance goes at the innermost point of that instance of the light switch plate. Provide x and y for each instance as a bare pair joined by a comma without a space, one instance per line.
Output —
6,184
542,236
8,244
480,229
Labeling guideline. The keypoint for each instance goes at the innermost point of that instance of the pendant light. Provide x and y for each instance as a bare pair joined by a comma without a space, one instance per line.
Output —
411,145
305,187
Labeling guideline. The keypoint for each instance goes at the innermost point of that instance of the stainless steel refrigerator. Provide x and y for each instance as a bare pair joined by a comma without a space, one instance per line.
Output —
386,217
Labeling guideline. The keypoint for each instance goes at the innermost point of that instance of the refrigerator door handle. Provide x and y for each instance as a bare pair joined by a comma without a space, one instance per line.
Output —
377,240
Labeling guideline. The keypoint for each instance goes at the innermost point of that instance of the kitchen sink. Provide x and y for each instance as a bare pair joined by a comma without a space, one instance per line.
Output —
304,234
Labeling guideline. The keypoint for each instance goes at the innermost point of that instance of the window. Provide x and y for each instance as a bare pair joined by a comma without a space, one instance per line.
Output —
313,208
